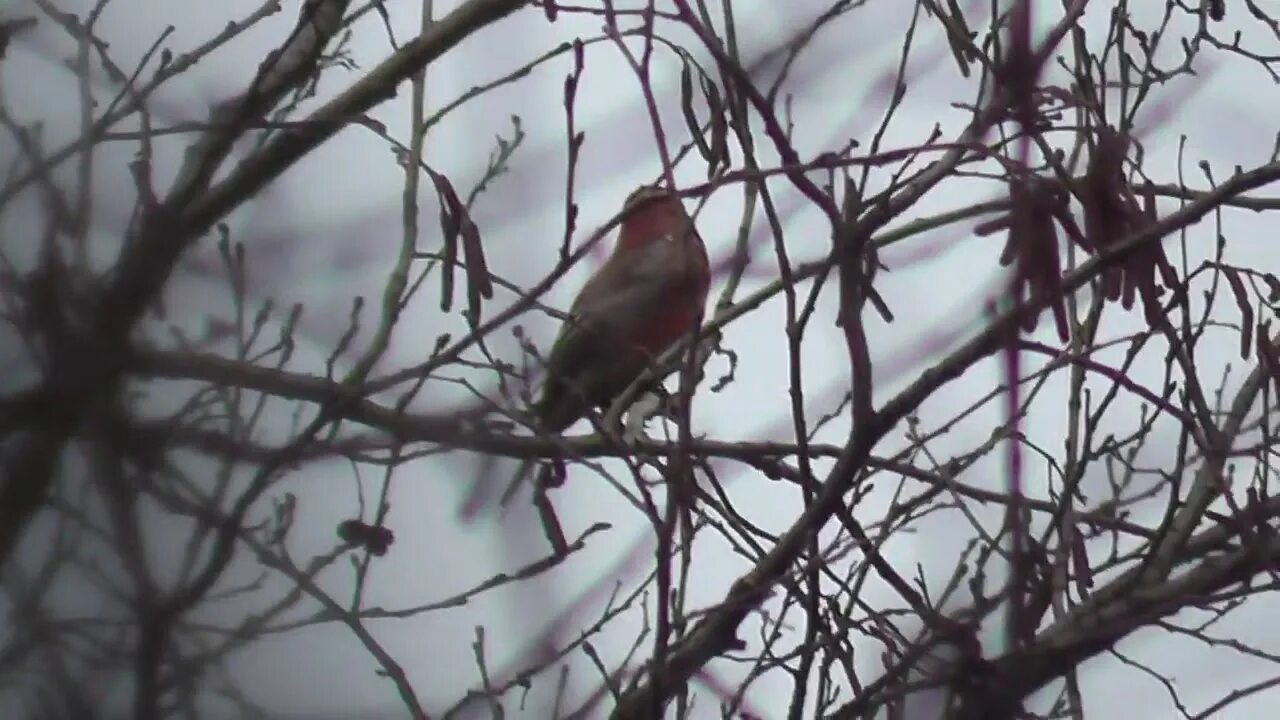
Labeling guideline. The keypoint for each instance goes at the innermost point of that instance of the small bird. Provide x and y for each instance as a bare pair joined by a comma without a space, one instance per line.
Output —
649,293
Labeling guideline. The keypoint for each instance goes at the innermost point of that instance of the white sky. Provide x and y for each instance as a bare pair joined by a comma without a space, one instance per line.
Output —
329,230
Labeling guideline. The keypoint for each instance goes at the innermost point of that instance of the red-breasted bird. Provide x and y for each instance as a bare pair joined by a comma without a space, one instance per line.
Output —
648,295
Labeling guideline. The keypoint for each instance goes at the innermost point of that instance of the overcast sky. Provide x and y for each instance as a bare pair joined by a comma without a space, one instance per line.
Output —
329,230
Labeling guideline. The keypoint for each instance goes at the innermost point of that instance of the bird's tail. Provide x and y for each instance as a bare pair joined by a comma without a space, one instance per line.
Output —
483,493
549,474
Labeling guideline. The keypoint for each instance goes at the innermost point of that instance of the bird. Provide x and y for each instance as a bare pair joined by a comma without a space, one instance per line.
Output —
648,294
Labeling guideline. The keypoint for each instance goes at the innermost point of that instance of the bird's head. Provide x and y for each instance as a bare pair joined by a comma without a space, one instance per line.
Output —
651,213
645,194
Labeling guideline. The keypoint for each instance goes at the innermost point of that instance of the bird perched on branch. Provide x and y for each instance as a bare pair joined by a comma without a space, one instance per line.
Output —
649,293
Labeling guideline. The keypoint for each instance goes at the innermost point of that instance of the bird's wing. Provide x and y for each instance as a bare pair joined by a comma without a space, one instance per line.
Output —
630,288
623,298
611,303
